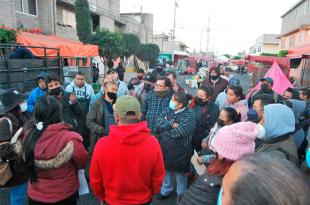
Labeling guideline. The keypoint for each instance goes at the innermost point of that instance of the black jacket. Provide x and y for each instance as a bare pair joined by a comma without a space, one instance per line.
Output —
205,190
72,114
205,117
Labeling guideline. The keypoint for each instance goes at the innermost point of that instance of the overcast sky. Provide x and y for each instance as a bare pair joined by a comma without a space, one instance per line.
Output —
235,24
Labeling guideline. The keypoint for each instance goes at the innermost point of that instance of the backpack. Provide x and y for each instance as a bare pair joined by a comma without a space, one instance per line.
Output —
5,169
12,170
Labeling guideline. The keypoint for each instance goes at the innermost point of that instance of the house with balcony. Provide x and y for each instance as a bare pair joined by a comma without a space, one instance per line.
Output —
295,37
267,43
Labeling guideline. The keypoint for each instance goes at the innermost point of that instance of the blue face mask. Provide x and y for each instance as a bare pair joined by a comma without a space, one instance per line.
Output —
172,105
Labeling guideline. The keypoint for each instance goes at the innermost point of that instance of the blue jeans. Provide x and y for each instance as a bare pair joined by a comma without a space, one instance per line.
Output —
167,186
18,194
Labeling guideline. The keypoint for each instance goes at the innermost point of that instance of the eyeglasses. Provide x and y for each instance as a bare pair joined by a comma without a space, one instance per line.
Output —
161,86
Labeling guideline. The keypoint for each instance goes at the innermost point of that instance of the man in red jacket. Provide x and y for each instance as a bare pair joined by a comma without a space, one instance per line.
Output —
127,166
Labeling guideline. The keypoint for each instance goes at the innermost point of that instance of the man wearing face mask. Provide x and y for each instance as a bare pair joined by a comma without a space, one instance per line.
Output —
266,88
145,87
156,101
216,82
101,115
71,109
175,85
136,81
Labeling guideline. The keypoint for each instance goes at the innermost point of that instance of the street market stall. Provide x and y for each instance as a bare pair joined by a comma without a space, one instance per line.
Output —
75,56
258,66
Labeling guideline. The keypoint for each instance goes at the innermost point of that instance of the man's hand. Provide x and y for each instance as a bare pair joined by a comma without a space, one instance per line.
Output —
204,145
175,125
73,98
199,160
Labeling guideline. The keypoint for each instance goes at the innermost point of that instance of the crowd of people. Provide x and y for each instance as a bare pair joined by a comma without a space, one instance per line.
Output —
137,136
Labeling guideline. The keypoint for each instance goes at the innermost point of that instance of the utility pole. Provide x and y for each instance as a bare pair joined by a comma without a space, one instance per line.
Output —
208,36
174,19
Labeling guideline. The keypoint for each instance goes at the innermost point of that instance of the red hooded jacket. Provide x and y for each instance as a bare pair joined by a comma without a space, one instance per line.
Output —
127,166
59,154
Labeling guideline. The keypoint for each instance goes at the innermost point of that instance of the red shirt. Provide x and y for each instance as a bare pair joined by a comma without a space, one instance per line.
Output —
127,166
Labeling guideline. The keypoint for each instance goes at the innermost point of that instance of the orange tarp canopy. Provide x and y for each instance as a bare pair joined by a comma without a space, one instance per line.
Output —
68,48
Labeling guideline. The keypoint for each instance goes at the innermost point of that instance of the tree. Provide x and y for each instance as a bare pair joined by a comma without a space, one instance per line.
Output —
149,52
83,25
111,44
227,56
132,44
8,35
283,53
268,54
236,57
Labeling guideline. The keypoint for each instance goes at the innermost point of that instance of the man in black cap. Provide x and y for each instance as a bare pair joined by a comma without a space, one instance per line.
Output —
134,82
38,92
266,88
144,88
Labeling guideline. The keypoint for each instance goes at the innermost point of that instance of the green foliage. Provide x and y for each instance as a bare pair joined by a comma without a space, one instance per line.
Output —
237,58
83,24
8,36
268,54
227,55
149,52
283,53
132,44
111,44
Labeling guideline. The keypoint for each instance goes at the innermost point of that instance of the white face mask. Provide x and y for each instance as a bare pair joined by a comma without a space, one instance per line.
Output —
23,106
262,131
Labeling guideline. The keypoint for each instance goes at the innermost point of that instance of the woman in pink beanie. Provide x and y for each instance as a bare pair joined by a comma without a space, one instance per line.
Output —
235,140
230,144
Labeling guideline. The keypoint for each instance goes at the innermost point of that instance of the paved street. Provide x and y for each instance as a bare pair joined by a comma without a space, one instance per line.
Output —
245,82
90,199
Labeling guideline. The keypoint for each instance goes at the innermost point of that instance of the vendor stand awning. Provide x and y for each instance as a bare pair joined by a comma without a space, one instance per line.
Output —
68,48
270,59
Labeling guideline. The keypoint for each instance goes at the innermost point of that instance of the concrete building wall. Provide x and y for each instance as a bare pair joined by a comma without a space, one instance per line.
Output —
65,22
140,24
46,16
12,17
7,13
297,39
270,48
297,16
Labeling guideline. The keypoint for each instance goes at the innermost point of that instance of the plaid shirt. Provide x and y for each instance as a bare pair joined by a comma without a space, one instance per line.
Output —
152,107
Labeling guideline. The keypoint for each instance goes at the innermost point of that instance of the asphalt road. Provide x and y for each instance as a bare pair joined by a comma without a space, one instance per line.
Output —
90,199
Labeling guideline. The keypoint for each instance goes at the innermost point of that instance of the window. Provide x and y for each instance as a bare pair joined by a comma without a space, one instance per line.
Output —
306,9
68,18
259,49
292,42
26,6
301,37
283,44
